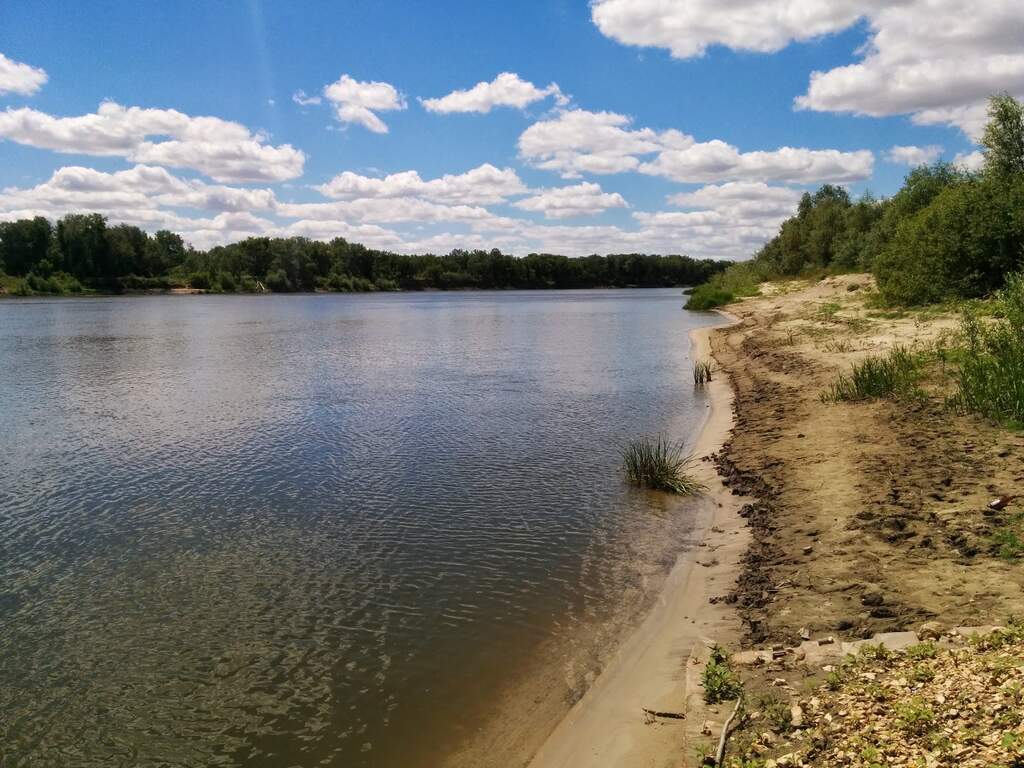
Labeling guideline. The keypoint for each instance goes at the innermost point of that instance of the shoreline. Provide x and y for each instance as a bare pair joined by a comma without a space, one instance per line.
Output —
653,667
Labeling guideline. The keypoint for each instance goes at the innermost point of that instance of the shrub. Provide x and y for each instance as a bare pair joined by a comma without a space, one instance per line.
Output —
658,464
199,280
874,377
707,296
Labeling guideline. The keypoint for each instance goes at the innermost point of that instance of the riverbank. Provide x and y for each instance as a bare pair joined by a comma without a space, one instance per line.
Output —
653,671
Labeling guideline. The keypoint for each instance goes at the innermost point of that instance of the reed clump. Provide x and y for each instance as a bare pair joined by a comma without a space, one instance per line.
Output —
659,464
702,372
892,375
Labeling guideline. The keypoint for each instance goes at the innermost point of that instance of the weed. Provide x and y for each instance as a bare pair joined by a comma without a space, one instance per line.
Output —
915,716
702,372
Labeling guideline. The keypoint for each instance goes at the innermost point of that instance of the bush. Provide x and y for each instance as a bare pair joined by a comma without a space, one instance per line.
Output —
707,296
990,379
719,681
199,280
660,465
874,377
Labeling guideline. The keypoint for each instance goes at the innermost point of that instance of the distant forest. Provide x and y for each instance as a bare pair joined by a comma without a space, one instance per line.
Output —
83,252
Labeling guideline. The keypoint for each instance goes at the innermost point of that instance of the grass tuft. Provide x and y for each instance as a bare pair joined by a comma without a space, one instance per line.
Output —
894,374
660,465
702,372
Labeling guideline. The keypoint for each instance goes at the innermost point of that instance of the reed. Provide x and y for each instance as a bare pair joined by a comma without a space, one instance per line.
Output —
659,464
894,374
702,372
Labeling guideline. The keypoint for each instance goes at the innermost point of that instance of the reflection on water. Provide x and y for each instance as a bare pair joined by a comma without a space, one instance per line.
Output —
309,530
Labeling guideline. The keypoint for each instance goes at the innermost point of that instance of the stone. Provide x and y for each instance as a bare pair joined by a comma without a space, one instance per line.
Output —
930,630
872,598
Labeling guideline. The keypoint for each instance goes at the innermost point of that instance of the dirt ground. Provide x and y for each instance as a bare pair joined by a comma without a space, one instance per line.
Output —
870,516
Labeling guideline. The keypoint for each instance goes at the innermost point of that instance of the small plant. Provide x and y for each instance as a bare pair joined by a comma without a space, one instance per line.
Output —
778,715
927,650
702,372
719,681
915,717
894,374
660,465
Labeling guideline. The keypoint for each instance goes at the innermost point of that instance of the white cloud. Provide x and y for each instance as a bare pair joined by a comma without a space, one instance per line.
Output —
384,210
913,156
506,90
688,28
718,161
578,141
221,149
743,200
936,60
303,100
970,161
933,59
19,78
484,184
358,102
584,199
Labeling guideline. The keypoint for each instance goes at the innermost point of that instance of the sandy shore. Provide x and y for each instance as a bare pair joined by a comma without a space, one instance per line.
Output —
654,669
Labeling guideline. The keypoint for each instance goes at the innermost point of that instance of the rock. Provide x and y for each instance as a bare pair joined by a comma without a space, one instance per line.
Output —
808,550
805,633
930,630
796,716
872,598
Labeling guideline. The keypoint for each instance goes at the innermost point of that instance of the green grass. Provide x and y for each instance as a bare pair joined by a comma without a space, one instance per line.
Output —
990,379
719,681
892,375
738,280
702,372
658,464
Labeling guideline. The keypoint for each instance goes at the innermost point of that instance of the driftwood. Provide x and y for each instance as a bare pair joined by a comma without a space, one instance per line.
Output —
669,715
720,754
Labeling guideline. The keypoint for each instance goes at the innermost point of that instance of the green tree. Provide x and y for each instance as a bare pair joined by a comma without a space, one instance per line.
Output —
1003,140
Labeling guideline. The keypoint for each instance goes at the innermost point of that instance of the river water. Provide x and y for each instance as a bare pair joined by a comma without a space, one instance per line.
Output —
318,529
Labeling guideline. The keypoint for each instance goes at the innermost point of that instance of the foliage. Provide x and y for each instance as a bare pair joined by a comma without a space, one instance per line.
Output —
1003,139
658,464
719,681
990,375
893,374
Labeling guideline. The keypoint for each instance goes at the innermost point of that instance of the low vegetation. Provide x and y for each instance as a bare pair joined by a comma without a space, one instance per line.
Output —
929,705
660,465
892,375
990,375
719,680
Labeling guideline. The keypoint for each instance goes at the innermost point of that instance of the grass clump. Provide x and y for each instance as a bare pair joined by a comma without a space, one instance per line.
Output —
702,372
719,681
659,464
990,380
894,374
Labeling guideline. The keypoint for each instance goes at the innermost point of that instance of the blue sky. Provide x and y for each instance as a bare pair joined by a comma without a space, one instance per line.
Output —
619,125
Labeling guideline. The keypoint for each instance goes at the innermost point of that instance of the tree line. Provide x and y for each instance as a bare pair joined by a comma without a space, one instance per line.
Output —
85,252
948,232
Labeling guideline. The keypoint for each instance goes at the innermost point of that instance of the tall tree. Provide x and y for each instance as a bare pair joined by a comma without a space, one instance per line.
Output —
1003,140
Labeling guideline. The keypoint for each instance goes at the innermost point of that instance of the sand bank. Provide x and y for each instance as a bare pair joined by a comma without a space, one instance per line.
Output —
653,670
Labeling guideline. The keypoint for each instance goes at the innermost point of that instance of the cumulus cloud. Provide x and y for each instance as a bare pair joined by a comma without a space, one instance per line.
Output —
913,156
482,185
506,90
358,102
221,149
301,98
742,200
929,59
19,78
970,161
584,199
578,141
687,29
